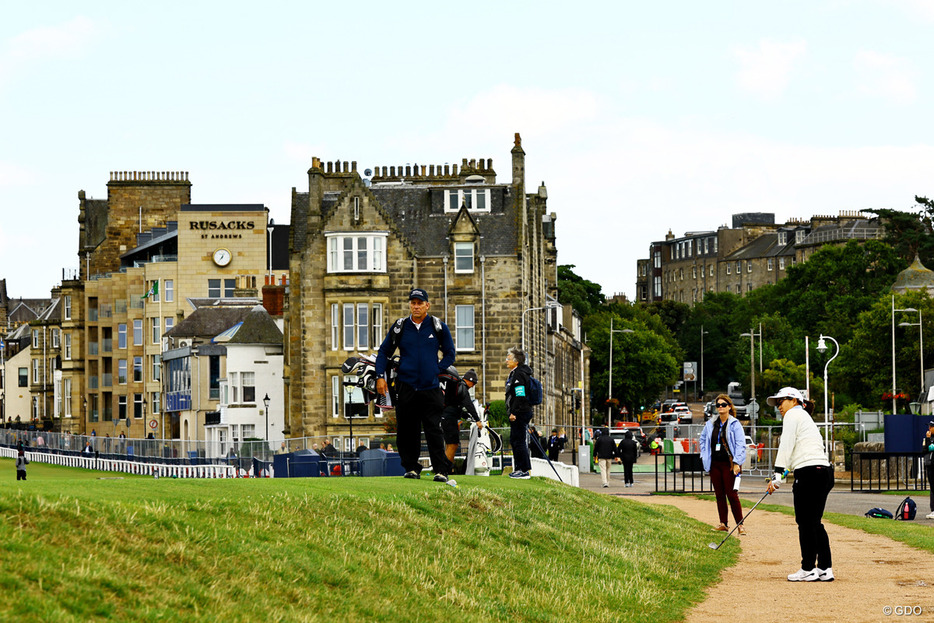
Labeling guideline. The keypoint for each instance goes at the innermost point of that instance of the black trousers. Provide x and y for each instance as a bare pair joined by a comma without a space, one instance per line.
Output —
811,487
415,411
930,471
627,472
518,439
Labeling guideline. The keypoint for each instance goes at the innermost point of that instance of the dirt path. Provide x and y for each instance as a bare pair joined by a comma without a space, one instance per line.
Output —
873,573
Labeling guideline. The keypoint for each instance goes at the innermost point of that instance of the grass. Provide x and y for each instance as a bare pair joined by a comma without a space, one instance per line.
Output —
75,546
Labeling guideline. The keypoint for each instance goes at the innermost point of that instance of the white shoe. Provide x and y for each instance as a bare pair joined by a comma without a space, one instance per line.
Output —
826,575
931,516
805,576
605,485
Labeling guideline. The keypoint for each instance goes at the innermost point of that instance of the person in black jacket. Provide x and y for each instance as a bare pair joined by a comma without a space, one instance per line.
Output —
453,414
556,444
927,446
520,412
628,452
604,450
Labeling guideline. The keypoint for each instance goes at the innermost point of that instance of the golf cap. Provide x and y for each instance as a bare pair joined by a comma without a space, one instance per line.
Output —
785,392
931,423
471,376
418,293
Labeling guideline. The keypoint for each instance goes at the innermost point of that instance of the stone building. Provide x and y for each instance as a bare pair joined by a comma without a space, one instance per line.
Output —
483,250
754,252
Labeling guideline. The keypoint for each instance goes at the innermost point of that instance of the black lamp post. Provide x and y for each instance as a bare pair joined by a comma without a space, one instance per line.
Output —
266,404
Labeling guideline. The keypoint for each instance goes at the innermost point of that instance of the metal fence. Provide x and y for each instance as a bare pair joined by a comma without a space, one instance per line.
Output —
898,472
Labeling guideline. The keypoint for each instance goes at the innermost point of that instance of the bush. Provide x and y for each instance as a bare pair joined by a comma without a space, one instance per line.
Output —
498,417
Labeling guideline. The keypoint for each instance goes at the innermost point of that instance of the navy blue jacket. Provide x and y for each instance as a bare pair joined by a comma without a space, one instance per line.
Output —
516,402
418,354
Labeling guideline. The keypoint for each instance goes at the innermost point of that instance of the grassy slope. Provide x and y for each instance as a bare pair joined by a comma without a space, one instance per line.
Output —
74,547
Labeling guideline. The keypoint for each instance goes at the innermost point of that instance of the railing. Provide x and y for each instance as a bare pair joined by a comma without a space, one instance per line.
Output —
899,472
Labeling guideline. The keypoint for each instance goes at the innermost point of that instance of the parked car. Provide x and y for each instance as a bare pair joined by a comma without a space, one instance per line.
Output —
668,410
683,414
617,435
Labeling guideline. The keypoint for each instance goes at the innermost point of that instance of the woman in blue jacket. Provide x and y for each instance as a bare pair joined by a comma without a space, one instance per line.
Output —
723,452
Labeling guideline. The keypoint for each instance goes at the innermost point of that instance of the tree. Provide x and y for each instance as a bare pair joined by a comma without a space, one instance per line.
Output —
583,295
910,233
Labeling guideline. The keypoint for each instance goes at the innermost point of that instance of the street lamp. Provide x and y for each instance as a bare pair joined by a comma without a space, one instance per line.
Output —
702,334
609,407
920,342
549,306
266,405
822,348
752,407
270,227
912,310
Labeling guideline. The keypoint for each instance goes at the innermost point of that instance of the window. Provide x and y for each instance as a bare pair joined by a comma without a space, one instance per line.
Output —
464,332
356,253
376,336
35,371
234,387
711,270
137,369
782,238
169,323
694,272
67,307
55,338
121,335
739,267
156,330
335,326
169,290
349,325
335,396
121,407
363,325
215,291
463,257
66,390
657,257
121,371
156,367
768,265
35,338
357,326
156,402
799,236
138,332
66,350
24,377
729,268
658,287
781,263
476,199
249,386
748,266
138,406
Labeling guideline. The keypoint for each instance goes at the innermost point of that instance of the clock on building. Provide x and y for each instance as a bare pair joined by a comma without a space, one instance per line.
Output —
222,257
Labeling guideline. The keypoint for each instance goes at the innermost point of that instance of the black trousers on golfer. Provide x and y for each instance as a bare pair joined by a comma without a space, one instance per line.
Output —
417,410
811,487
518,439
930,473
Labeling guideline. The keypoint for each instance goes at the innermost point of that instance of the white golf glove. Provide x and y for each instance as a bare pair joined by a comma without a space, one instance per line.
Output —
777,481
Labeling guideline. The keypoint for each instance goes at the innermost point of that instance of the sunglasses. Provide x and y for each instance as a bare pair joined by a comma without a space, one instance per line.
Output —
722,405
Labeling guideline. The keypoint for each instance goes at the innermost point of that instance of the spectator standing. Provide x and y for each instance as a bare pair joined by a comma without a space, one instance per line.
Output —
419,338
462,408
556,443
628,453
605,453
723,451
520,412
927,447
21,463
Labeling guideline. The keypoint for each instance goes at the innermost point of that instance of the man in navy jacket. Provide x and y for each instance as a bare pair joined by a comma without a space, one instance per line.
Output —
420,399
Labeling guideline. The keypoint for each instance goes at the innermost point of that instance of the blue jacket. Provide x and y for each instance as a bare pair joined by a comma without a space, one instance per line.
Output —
418,353
735,439
516,385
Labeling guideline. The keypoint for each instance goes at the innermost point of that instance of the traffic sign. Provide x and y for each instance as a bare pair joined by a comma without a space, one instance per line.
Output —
153,424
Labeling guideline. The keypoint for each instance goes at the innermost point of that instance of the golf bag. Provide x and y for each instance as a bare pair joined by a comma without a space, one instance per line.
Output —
364,369
483,444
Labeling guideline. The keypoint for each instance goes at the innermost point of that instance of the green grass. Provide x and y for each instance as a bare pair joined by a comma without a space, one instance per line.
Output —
74,547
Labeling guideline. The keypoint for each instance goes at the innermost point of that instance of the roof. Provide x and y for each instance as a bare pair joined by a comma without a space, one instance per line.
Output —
915,277
257,328
207,322
765,245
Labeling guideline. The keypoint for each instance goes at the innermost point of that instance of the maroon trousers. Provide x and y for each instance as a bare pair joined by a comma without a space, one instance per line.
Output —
722,478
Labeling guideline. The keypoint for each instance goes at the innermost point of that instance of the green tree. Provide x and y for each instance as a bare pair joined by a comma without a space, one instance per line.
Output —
910,233
583,295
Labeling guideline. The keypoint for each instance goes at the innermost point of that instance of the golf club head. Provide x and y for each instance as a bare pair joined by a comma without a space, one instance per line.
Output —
714,545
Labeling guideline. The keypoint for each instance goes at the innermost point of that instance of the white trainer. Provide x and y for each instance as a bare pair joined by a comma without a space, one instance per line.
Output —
826,575
930,516
804,576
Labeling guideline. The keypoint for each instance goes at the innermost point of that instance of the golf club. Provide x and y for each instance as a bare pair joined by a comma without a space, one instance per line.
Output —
717,545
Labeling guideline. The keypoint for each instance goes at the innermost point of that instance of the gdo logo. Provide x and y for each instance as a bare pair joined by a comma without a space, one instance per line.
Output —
900,611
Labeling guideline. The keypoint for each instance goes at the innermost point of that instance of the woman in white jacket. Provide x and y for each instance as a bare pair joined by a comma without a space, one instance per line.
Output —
801,451
723,451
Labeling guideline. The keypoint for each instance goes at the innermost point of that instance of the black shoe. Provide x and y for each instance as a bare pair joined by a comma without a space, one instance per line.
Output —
413,474
441,478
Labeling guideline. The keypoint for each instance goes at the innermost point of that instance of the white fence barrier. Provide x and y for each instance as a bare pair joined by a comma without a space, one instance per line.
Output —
131,467
569,473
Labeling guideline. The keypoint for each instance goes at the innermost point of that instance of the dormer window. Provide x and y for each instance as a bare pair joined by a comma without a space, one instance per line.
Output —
782,238
799,236
353,253
463,257
476,199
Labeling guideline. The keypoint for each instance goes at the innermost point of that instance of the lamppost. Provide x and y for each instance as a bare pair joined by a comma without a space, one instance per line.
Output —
752,407
266,406
920,342
822,348
549,306
912,310
609,407
702,334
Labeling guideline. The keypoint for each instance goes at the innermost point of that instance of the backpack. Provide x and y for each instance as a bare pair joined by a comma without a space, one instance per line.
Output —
879,513
533,393
906,510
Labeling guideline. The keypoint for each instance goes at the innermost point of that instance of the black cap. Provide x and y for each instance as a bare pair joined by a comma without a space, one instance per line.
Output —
931,423
418,293
471,376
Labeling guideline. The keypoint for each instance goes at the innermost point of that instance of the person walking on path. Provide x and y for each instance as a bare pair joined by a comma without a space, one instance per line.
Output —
420,338
723,451
801,450
927,446
21,463
605,451
628,452
520,412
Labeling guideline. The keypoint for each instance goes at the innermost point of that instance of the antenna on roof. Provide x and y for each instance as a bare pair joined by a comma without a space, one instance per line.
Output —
367,174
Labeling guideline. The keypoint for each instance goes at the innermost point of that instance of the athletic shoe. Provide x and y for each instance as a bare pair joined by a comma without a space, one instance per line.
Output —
741,530
826,575
519,475
605,485
441,478
805,576
931,516
721,528
413,474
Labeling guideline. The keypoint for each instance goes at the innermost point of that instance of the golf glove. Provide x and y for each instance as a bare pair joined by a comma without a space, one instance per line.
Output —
777,481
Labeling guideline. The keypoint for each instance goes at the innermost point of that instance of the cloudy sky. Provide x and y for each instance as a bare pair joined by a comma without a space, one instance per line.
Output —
640,117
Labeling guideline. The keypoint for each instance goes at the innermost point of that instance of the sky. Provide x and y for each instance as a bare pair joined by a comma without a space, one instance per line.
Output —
639,117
